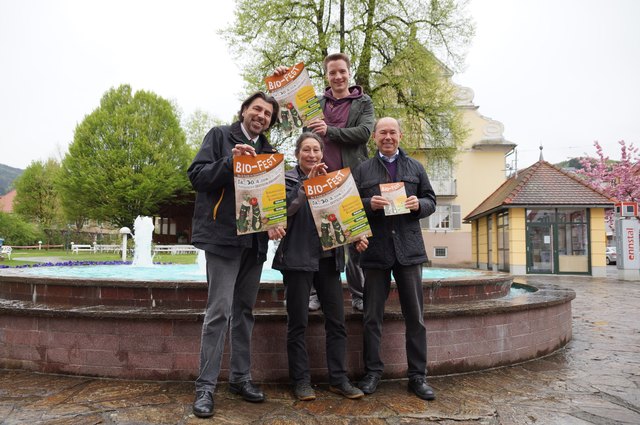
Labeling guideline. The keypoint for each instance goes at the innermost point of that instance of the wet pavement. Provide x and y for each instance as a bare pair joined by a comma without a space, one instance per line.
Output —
595,379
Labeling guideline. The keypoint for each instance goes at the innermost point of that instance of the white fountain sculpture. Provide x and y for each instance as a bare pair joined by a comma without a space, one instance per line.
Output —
201,261
142,233
271,252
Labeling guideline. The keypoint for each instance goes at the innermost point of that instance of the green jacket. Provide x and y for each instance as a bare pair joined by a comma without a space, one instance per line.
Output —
354,137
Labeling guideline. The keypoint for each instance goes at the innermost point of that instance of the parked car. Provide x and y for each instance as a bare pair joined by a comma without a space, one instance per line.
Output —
611,255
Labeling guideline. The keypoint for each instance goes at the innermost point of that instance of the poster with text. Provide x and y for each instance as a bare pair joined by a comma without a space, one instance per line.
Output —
337,208
396,195
261,199
296,96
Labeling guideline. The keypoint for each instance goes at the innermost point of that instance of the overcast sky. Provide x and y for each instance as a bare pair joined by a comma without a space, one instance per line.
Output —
561,73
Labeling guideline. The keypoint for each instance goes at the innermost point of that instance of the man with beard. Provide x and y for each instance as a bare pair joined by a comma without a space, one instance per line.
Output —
234,262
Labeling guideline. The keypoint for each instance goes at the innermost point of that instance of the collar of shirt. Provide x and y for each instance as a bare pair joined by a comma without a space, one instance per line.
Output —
246,135
388,158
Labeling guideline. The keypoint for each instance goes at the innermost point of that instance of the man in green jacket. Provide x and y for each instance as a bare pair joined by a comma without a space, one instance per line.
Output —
346,129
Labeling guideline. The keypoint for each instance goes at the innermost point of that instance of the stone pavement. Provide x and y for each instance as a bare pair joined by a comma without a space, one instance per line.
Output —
595,379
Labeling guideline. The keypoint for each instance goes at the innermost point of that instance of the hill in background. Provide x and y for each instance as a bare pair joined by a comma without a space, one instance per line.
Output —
7,176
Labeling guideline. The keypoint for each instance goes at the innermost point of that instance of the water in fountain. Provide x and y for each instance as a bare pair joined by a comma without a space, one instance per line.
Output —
268,273
143,230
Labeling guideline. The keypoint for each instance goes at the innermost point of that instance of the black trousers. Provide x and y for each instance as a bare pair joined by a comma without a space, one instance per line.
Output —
376,291
329,288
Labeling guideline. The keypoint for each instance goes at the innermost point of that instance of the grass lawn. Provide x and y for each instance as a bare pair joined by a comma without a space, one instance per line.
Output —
44,256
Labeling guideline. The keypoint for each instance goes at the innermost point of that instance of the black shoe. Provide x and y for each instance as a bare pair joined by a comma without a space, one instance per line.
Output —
203,406
419,386
369,383
247,390
347,390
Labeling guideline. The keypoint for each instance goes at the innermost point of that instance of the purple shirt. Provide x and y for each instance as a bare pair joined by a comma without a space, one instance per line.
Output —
336,114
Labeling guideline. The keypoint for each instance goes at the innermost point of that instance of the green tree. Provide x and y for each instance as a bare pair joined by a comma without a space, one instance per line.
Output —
381,37
127,157
16,231
196,127
37,198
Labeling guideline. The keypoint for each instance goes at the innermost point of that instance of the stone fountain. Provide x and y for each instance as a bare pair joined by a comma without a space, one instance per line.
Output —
150,329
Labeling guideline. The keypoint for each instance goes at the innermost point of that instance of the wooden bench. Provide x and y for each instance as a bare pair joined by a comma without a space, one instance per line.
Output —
185,249
175,249
5,251
157,249
107,248
76,248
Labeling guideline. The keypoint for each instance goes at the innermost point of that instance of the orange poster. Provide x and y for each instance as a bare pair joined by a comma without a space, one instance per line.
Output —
261,199
337,208
296,96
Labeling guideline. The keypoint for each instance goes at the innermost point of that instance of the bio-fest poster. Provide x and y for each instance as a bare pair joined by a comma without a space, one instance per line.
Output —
337,208
261,198
396,195
296,96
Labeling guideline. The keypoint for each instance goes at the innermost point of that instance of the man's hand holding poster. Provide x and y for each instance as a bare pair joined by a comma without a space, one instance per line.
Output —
296,96
396,195
261,199
337,208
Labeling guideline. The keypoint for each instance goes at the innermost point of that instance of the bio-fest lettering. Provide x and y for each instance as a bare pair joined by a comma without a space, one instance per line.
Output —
273,84
331,182
261,164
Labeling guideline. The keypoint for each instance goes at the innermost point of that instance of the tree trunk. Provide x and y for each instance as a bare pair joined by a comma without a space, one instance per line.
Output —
363,73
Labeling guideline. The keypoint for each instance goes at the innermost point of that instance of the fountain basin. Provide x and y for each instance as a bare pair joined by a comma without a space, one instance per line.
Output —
151,329
99,285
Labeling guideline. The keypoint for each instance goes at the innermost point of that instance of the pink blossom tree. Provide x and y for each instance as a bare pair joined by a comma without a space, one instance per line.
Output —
619,180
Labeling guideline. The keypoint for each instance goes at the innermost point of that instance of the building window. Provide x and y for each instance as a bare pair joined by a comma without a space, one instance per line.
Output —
446,217
558,240
440,169
440,252
503,241
490,243
441,177
164,226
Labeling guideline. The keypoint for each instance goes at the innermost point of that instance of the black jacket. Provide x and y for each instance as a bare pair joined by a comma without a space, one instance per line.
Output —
300,249
211,175
396,237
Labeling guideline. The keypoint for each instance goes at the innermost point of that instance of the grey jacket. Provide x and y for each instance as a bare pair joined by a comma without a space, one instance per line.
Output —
395,237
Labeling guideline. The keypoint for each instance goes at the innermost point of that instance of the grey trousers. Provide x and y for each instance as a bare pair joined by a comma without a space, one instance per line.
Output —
233,288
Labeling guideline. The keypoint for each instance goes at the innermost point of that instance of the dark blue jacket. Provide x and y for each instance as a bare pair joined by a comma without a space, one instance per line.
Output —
300,249
396,237
211,175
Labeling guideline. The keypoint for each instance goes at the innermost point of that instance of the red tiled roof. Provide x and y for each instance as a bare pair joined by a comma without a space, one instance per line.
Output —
541,184
6,201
